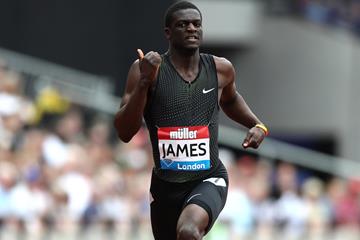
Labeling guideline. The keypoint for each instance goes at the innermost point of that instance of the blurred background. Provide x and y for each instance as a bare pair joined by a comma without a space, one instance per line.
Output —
63,65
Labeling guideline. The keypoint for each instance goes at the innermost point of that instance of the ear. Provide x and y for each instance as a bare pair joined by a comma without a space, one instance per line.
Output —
167,32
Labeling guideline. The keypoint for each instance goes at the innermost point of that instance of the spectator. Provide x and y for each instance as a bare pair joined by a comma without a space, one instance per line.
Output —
355,16
316,11
317,211
238,210
290,208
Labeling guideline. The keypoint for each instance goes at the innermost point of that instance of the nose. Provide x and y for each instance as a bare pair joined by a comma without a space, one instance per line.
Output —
191,27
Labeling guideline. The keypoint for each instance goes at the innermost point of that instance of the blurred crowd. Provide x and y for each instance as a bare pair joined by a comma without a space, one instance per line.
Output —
278,200
344,14
64,175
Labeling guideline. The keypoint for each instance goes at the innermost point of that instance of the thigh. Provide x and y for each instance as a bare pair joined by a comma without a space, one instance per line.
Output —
210,194
165,208
193,222
164,220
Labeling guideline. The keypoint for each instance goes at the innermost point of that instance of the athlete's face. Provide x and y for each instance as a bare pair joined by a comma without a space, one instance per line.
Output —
185,31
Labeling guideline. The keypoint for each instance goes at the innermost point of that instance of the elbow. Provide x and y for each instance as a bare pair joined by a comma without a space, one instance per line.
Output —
123,134
124,138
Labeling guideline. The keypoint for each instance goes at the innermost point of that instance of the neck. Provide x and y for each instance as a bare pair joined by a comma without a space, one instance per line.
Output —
184,59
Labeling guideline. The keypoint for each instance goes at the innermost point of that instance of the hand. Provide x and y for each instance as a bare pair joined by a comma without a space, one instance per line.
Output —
149,65
254,138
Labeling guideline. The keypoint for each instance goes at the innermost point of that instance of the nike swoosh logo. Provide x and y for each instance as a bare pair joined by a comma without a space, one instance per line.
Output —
216,181
207,91
193,197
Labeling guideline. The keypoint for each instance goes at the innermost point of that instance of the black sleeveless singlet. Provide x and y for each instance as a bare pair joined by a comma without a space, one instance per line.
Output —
177,115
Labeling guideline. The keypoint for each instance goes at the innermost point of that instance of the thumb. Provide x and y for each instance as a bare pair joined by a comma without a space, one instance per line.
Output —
247,140
140,53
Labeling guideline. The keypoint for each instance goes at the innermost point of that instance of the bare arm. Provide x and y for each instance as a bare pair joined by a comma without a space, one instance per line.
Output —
141,76
234,105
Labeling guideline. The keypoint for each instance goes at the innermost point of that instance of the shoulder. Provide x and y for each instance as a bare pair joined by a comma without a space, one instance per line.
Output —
224,68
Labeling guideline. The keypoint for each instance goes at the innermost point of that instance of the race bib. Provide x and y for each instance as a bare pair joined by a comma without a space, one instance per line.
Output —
184,148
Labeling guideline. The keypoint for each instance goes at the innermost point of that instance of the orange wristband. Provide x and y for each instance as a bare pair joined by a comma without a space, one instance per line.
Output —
263,127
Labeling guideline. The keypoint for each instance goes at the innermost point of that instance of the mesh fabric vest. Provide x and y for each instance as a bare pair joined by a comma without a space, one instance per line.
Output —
175,102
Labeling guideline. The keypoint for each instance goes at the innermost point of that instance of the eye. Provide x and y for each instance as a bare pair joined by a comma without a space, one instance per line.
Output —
197,24
182,24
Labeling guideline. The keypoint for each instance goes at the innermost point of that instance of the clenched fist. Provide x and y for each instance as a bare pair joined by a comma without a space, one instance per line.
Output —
149,66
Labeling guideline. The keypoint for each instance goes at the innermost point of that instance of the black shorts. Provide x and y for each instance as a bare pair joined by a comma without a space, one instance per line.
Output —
169,199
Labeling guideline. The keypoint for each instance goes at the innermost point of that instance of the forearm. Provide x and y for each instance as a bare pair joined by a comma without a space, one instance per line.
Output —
128,119
240,112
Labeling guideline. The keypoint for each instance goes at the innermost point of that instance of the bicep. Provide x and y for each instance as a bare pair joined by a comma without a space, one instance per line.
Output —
229,94
226,78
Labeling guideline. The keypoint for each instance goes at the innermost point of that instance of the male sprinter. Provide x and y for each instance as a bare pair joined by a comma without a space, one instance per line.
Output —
179,93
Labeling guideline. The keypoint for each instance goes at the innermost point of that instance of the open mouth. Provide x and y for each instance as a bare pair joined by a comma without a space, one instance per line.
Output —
192,38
